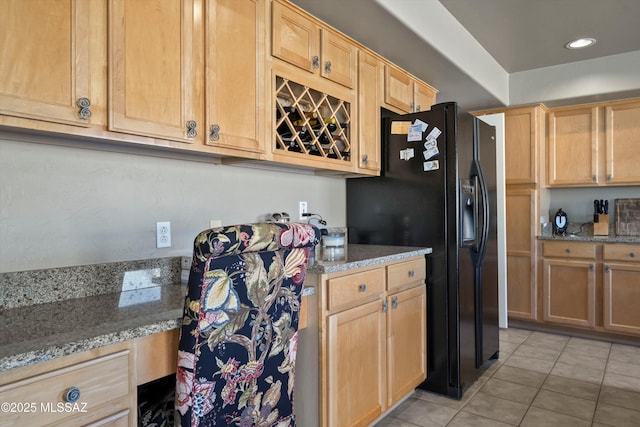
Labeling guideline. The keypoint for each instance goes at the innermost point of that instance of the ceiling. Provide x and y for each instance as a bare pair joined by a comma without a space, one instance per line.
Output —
491,53
526,34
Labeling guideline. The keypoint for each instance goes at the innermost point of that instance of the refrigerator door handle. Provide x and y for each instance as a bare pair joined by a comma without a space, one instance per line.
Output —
480,247
469,215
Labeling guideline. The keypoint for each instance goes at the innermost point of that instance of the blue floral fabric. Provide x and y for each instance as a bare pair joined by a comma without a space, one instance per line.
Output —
237,351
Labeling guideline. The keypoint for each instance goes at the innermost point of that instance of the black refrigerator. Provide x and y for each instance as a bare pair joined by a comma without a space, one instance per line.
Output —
438,189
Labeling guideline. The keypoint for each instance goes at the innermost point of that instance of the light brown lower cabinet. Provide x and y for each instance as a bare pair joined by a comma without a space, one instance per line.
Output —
373,340
569,291
592,285
102,381
621,286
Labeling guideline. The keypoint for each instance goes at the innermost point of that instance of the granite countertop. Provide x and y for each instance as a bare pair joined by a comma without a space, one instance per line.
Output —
41,332
356,256
583,237
54,327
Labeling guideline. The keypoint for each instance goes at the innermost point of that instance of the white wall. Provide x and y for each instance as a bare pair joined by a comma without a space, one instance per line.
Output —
62,206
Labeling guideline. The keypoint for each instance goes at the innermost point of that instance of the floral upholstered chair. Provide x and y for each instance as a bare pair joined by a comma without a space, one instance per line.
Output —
237,349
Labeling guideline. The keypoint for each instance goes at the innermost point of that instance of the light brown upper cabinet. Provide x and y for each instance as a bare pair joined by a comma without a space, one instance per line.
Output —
301,41
370,70
45,61
161,86
405,94
622,121
594,145
524,136
153,69
572,147
235,75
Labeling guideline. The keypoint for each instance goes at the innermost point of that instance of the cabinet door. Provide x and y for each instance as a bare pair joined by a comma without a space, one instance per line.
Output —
295,38
572,149
569,291
623,150
152,69
356,365
45,60
369,101
339,59
406,342
235,77
425,96
398,89
523,136
622,297
521,272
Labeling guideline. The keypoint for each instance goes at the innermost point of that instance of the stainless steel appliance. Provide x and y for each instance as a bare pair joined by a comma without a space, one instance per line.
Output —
439,190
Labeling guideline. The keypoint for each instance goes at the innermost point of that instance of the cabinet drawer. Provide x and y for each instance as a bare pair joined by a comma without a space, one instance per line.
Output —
569,250
99,381
622,252
346,289
406,272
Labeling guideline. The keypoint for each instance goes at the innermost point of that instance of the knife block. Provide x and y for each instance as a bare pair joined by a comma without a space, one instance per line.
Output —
601,228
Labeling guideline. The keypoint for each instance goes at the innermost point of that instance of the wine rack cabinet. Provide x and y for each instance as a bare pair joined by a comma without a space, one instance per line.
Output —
311,123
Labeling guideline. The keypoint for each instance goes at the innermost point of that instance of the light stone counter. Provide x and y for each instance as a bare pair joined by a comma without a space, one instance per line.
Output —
39,323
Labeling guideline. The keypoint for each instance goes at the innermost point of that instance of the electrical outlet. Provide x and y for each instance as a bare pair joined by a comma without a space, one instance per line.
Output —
163,234
302,207
185,263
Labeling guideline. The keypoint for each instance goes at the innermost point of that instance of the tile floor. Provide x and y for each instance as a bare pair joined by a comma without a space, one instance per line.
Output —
540,380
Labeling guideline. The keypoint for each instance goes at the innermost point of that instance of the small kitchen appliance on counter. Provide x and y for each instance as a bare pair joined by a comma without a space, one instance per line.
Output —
560,223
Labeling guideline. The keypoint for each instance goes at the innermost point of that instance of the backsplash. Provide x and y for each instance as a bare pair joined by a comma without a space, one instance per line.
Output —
25,288
627,217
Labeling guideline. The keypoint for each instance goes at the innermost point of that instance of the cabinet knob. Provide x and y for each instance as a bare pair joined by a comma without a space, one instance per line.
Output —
365,159
72,394
191,129
568,250
591,267
632,254
362,287
412,273
385,306
327,67
418,108
84,112
412,106
607,268
215,133
609,178
394,302
594,179
316,62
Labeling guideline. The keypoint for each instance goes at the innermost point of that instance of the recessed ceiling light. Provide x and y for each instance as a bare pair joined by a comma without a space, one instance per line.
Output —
580,43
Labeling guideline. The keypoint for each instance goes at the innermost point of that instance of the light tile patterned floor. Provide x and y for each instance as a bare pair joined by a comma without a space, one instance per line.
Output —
540,380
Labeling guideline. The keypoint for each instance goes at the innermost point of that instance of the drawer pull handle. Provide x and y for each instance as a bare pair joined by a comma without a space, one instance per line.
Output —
412,273
363,288
72,395
394,302
568,250
632,254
